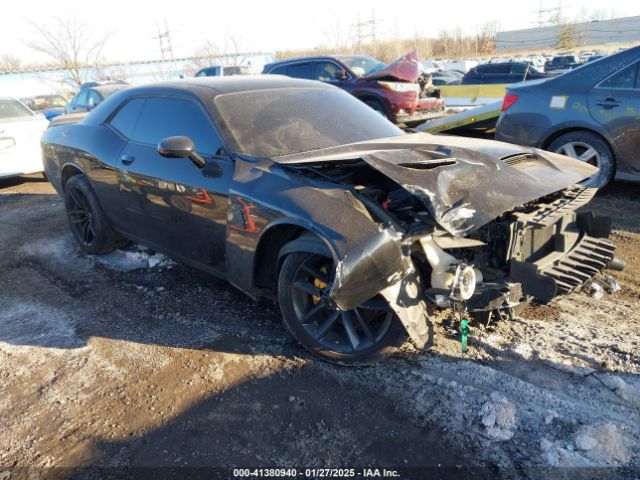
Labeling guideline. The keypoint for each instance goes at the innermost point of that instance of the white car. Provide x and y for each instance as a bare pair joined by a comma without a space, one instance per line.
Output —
20,132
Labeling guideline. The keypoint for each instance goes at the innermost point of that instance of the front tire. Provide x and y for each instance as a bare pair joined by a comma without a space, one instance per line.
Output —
87,220
590,148
355,337
377,106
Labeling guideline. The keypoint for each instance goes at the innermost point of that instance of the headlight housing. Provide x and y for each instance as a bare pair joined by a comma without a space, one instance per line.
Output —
400,86
464,283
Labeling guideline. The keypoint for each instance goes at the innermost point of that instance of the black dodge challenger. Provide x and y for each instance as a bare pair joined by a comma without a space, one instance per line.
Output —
296,191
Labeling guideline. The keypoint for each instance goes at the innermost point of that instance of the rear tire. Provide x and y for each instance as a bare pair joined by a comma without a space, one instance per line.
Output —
590,148
87,220
356,337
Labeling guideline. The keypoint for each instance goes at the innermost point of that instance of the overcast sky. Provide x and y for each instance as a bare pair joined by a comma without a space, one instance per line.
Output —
267,25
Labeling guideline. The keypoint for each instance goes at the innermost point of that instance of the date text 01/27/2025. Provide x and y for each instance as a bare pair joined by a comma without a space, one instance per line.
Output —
316,472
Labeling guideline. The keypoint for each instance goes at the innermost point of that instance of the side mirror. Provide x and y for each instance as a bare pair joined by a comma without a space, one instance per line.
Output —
341,75
180,147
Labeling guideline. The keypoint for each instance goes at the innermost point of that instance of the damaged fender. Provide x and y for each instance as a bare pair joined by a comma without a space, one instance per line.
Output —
368,257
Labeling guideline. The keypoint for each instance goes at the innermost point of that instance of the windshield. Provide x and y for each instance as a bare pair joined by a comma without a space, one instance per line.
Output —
46,101
362,66
277,122
10,108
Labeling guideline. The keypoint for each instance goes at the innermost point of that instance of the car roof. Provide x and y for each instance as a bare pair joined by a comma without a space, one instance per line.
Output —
203,88
308,59
108,88
231,84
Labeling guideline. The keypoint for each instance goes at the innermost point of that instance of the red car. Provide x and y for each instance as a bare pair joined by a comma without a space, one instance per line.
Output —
394,90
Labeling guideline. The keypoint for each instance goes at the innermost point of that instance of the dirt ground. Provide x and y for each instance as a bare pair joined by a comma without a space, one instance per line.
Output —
134,360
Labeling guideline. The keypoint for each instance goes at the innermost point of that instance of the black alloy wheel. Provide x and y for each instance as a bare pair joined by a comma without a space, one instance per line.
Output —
81,217
351,337
89,225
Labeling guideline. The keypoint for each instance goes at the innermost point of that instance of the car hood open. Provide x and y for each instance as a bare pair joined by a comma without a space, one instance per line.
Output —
463,182
406,69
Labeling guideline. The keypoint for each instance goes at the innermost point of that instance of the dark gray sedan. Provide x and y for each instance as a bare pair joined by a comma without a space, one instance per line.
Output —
591,113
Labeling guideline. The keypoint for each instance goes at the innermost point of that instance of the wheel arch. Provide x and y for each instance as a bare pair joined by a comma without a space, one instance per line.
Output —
562,131
364,96
67,171
269,252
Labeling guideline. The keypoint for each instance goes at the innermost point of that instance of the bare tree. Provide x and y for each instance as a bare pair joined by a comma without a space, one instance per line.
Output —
71,46
204,56
232,49
485,39
566,38
9,63
602,14
338,38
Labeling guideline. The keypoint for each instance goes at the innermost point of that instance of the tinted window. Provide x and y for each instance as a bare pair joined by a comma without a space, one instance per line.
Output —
235,71
279,70
518,69
278,122
624,79
498,69
167,117
300,70
125,120
325,71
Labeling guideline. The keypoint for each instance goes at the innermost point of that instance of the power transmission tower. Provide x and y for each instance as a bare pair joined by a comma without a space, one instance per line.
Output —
552,12
164,38
367,29
166,49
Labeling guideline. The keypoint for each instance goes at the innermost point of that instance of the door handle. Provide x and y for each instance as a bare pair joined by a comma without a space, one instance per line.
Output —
609,103
127,159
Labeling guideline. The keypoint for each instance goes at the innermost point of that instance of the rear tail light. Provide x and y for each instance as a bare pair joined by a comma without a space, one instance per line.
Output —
509,99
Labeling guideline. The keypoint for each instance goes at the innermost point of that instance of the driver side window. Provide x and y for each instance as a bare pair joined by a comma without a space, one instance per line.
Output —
162,117
325,71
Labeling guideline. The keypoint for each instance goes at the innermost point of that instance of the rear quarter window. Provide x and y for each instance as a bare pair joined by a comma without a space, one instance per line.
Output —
124,121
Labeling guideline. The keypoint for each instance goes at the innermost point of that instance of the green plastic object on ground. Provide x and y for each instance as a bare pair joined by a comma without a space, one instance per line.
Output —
464,334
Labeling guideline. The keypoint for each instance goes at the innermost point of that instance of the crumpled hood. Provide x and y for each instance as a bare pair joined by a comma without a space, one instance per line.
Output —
463,182
405,68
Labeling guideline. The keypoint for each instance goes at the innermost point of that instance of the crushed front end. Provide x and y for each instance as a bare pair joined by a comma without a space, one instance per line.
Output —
459,227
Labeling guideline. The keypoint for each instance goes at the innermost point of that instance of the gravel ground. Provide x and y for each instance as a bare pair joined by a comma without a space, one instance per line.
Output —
132,359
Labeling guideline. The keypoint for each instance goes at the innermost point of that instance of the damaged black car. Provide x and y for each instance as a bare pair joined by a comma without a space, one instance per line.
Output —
296,191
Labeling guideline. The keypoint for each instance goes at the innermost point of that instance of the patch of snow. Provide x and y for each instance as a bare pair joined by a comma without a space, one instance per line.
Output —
524,350
499,417
33,324
585,442
133,258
